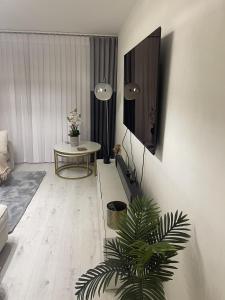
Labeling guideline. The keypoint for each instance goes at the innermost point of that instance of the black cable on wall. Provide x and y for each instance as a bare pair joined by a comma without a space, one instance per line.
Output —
143,164
132,157
128,162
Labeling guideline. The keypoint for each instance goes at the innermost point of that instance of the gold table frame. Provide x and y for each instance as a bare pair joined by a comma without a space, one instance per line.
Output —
58,168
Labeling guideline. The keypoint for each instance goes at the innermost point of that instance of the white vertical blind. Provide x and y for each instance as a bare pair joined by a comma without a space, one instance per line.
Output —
42,78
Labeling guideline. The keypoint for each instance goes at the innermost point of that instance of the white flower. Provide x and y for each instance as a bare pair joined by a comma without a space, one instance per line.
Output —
74,118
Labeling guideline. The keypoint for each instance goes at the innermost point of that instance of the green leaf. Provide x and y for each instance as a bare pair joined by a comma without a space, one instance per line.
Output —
146,288
172,228
142,217
142,257
96,279
143,252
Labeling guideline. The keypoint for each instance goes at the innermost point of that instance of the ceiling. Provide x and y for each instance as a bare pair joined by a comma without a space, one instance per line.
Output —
71,16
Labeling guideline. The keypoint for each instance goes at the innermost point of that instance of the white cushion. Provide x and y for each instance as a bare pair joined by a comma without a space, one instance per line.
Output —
3,141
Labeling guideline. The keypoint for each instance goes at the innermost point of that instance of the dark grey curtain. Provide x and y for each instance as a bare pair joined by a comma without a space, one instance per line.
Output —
103,69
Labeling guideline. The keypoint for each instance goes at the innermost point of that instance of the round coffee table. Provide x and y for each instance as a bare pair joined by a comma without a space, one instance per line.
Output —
83,150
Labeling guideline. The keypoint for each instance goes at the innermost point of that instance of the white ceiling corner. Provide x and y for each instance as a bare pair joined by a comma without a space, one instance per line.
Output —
70,16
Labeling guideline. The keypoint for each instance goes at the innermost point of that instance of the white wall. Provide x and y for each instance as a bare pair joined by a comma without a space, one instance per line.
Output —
188,171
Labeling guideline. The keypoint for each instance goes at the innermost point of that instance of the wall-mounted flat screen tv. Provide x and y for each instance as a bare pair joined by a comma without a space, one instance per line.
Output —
141,73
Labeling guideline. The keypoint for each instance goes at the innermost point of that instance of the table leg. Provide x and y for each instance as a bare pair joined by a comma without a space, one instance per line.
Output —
95,164
88,164
55,161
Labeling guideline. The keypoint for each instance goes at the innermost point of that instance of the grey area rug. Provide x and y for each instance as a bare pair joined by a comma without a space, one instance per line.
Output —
17,193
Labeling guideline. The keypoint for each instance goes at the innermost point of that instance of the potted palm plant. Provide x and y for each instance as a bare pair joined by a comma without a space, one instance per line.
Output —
141,259
74,119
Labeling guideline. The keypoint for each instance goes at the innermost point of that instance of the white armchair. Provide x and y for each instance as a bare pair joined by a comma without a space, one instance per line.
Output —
6,156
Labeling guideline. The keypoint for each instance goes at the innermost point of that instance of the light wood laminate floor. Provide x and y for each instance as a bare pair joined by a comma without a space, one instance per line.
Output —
58,238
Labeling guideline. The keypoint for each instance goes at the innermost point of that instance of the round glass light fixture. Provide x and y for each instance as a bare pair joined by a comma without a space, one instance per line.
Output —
103,91
131,90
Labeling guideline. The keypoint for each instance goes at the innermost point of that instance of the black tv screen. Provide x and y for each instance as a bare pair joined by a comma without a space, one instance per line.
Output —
141,72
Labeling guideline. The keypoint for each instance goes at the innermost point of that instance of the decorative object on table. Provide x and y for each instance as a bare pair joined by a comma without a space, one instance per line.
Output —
103,92
74,119
17,192
74,141
81,148
141,259
115,212
5,168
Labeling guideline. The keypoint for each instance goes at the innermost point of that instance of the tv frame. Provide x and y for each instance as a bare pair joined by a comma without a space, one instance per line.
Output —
152,149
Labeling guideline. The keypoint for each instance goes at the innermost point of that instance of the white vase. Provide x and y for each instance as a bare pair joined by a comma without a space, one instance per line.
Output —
74,141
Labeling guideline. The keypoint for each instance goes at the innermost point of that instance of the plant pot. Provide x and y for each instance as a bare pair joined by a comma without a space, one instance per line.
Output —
74,141
115,211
